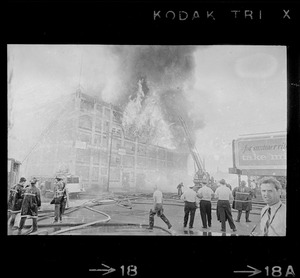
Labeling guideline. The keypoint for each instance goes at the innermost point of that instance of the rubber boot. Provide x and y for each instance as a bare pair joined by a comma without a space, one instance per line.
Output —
21,225
34,225
8,215
12,221
247,216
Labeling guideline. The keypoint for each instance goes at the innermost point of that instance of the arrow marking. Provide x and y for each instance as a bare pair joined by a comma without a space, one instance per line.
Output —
107,268
254,271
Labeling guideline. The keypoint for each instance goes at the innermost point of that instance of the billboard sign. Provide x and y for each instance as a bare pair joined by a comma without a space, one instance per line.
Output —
263,152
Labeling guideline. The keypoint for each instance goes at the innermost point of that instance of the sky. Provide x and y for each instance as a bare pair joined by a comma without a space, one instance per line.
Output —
230,90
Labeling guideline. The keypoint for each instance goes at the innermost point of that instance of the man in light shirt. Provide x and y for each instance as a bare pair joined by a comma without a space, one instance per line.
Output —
223,194
157,209
205,194
189,197
273,215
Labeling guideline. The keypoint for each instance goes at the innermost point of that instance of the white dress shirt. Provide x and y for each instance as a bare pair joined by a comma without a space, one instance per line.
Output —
223,193
189,195
277,225
205,193
157,197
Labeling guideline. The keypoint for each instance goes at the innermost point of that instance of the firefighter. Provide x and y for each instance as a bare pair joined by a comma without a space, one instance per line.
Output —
30,206
59,194
15,201
64,199
242,200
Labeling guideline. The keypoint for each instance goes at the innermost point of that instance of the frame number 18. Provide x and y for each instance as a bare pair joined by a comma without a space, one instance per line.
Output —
130,270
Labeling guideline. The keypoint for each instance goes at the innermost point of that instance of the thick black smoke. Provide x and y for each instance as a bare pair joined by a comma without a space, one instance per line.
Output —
163,69
167,66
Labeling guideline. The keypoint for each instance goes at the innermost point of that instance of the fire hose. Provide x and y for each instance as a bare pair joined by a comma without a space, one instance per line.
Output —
108,218
95,202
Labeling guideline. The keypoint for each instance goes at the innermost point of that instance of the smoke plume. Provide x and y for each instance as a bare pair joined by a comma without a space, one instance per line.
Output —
155,82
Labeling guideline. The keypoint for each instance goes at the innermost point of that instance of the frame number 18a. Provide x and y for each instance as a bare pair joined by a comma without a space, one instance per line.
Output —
278,271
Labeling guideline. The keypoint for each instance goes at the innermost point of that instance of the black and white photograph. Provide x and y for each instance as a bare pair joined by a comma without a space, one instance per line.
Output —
107,139
151,139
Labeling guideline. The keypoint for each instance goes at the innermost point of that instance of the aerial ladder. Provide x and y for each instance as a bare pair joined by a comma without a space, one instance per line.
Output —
200,172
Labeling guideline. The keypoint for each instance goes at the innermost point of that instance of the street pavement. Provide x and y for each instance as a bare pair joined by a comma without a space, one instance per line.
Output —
175,213
139,214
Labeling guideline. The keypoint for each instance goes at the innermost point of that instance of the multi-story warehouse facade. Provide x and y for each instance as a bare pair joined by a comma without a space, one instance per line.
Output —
88,140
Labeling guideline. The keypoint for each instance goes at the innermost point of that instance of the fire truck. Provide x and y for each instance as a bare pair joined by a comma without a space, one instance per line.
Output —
73,184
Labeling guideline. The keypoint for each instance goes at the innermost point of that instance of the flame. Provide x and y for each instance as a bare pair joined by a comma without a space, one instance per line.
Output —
143,119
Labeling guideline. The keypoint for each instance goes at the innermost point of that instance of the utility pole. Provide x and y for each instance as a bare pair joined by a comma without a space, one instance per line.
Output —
109,160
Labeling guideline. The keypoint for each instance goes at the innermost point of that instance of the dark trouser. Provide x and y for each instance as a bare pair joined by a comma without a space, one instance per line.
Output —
224,212
12,220
57,212
63,207
22,222
205,212
189,209
159,211
240,214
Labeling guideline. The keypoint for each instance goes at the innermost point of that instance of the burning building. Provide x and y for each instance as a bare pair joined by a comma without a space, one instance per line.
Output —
108,147
129,134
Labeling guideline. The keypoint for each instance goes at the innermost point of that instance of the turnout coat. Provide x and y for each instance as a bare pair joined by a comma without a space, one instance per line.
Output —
31,202
242,198
15,198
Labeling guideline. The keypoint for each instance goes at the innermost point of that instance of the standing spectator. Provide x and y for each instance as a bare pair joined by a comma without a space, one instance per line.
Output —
157,209
15,201
179,189
205,193
273,215
189,197
223,194
59,191
214,186
30,206
65,199
252,184
242,200
253,188
42,189
229,186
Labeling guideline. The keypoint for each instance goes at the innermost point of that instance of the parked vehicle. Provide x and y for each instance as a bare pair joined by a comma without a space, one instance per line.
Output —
74,185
